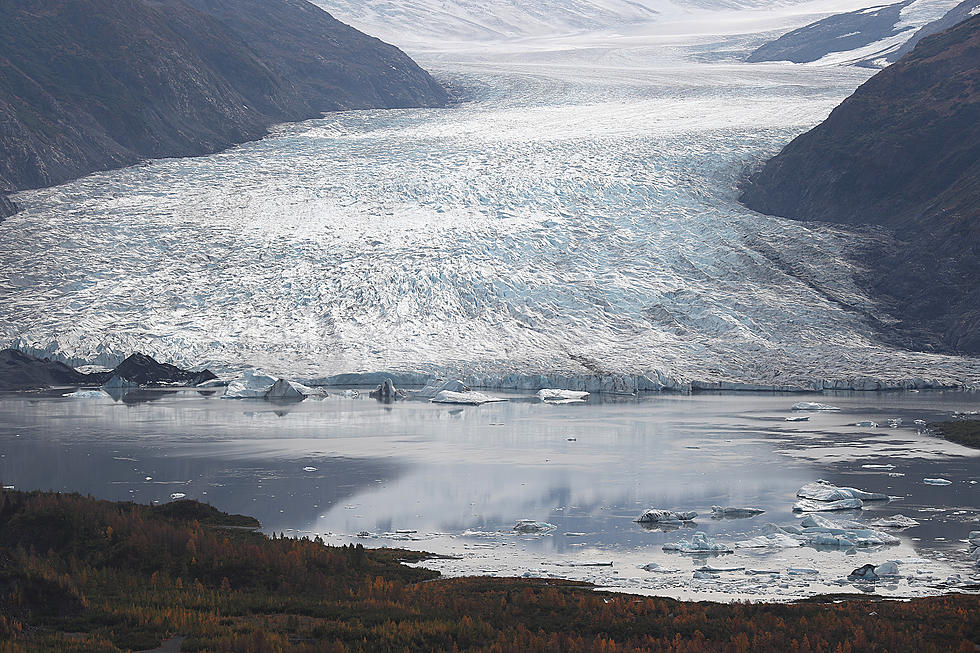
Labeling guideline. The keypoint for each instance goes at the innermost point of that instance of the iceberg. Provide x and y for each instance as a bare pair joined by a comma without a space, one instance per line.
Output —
873,573
866,424
807,505
813,405
699,543
798,418
86,394
829,532
253,385
435,386
974,538
825,491
387,392
532,527
658,516
283,390
777,538
556,395
469,398
937,481
895,521
719,512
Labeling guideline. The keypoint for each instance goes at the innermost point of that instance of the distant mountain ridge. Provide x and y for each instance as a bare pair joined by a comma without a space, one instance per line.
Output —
88,85
902,152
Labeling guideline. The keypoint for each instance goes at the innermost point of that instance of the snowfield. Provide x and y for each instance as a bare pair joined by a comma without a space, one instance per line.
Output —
573,224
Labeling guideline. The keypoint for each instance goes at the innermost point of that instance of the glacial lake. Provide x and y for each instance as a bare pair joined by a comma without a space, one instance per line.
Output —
453,480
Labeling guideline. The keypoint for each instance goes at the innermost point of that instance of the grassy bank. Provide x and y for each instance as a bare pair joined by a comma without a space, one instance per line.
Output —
77,574
962,431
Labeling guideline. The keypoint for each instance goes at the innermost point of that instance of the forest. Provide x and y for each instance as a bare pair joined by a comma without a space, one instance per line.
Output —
80,574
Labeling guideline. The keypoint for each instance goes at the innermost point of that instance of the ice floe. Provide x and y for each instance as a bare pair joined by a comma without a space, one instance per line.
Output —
776,538
555,395
659,516
86,394
798,418
937,481
730,512
813,405
895,521
470,398
866,424
699,543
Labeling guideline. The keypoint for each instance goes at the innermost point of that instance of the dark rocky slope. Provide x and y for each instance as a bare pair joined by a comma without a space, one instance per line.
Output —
88,85
902,152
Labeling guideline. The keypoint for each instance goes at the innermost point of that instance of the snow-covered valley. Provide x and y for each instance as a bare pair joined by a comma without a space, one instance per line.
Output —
575,216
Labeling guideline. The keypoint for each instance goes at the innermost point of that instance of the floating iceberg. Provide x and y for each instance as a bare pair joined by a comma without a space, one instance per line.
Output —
435,386
532,527
937,481
387,392
895,521
873,573
808,505
813,405
699,543
824,491
469,398
895,422
283,390
974,538
86,394
829,532
253,385
657,516
866,424
719,512
798,418
555,395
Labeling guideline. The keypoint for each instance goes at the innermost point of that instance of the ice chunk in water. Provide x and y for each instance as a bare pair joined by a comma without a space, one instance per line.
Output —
813,405
776,539
253,385
283,390
823,531
824,491
469,398
557,395
867,424
659,516
719,512
895,521
807,505
387,392
435,386
798,418
532,527
699,543
937,481
86,394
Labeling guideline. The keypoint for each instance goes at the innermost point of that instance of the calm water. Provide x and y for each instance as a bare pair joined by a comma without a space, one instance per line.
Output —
459,477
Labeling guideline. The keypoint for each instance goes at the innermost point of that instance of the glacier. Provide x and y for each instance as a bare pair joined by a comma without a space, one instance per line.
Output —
572,223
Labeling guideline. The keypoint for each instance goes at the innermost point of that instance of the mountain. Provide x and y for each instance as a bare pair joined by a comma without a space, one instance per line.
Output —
88,85
902,152
872,37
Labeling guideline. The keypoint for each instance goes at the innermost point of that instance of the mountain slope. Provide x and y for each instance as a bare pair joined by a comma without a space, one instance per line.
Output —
902,152
94,84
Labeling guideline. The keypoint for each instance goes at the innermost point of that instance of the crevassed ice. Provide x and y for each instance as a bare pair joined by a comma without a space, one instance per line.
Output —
572,221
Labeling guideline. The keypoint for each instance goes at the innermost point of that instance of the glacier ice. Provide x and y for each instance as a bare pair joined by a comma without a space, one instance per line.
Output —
659,516
574,225
387,392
